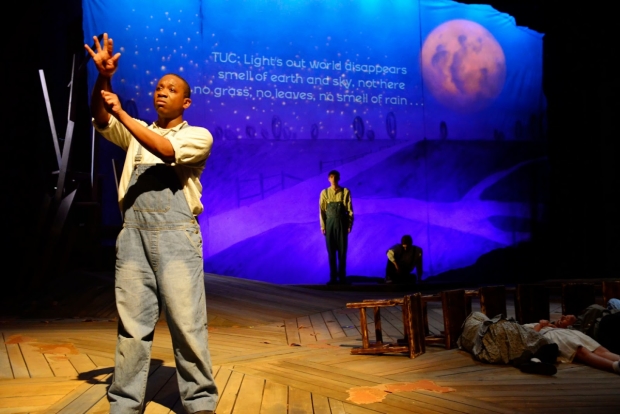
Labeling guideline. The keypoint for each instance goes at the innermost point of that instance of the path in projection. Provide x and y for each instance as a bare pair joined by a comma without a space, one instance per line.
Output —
298,204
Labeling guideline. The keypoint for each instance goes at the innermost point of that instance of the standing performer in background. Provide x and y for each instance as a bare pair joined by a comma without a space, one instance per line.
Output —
159,249
336,214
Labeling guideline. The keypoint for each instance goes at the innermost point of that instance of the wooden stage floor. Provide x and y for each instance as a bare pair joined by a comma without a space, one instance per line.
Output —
277,349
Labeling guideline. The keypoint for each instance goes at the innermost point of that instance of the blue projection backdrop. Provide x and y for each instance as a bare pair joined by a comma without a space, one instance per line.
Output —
431,110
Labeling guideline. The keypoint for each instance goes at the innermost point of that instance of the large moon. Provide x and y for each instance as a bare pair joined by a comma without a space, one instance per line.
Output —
463,65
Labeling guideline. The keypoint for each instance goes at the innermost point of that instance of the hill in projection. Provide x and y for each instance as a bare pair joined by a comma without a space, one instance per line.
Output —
432,110
478,196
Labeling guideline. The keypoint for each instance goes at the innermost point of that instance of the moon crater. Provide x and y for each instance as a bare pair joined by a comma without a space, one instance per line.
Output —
463,65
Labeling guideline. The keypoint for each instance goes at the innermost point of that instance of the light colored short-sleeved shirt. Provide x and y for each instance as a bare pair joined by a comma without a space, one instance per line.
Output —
192,147
329,195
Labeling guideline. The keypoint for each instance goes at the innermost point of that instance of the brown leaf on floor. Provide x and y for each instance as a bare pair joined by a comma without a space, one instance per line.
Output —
322,346
369,395
66,348
265,342
58,357
18,339
302,327
425,385
293,344
366,395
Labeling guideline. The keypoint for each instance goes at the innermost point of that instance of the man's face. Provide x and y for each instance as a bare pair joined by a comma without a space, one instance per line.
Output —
169,97
404,247
333,180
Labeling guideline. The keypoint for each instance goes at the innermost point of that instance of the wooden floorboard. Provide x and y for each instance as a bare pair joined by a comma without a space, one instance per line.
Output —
278,350
335,329
228,394
165,398
299,401
346,323
18,364
275,398
5,365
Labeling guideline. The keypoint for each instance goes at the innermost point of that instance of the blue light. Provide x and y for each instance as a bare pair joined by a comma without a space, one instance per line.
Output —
292,89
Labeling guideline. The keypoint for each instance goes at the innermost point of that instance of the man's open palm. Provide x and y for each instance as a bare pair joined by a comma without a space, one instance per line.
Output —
105,61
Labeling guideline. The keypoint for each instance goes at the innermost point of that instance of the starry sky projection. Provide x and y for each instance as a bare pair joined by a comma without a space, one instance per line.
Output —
376,78
330,69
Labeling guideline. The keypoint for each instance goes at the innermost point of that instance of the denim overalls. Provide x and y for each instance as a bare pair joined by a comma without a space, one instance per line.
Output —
336,238
159,262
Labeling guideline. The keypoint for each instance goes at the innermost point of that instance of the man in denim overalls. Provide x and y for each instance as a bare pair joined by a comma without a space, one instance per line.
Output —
336,215
159,249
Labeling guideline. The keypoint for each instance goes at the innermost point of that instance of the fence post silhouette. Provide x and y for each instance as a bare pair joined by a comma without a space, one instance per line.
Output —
238,192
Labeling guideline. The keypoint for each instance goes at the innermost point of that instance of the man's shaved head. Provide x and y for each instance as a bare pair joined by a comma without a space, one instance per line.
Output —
188,90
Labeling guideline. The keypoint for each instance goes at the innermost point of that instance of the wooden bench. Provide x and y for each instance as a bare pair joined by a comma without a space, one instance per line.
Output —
456,305
531,303
493,301
576,297
611,289
412,343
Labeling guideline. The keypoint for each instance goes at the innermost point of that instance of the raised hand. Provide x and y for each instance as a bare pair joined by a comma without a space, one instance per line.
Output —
105,61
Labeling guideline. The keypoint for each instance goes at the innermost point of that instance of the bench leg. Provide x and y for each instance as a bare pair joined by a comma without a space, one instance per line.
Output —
427,331
413,321
378,333
364,327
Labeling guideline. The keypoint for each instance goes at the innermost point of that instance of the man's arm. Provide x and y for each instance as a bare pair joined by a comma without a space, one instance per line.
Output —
152,141
322,207
97,109
543,323
418,263
391,257
105,103
106,63
349,205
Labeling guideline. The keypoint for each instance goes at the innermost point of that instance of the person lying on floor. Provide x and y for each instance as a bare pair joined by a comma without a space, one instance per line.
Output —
504,341
575,345
601,324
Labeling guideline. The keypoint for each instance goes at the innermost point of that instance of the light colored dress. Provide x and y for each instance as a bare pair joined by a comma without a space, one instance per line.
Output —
498,340
568,341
